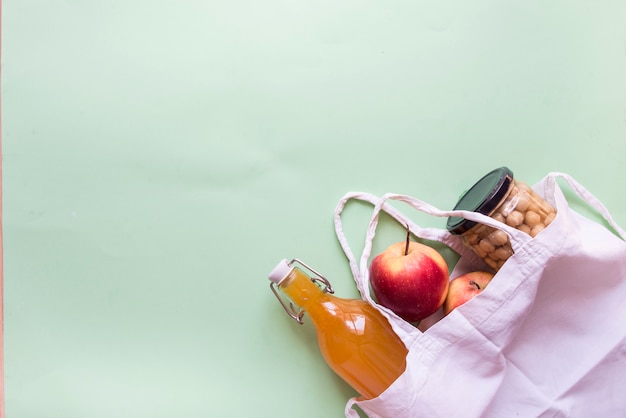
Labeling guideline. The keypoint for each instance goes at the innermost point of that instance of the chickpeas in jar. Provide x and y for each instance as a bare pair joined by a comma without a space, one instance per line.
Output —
506,200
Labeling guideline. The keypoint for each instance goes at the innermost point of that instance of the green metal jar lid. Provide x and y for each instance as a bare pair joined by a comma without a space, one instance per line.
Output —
482,197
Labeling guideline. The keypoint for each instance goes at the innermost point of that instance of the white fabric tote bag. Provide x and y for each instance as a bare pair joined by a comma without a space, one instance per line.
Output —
546,338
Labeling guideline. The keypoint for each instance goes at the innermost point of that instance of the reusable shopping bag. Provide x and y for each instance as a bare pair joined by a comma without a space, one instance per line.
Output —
546,338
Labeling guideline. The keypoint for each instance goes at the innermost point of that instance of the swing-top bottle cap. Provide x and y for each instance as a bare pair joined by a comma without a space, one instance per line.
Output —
280,272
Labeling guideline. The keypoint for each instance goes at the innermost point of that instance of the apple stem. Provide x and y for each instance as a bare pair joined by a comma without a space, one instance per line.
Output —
408,236
473,283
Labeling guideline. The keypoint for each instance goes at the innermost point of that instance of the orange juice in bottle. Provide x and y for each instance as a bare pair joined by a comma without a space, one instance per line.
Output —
355,339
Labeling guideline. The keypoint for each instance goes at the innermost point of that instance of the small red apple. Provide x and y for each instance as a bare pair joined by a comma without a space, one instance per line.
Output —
411,279
465,287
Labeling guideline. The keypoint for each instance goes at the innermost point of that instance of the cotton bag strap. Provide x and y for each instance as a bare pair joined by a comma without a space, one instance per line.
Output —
549,189
517,237
359,269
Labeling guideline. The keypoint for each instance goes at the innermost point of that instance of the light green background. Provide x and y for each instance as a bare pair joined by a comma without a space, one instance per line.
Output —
159,157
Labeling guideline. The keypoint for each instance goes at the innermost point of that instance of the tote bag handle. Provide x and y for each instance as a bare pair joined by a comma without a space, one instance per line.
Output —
359,269
550,187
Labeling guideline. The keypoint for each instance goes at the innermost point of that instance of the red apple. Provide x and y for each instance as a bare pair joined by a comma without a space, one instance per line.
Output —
465,287
411,279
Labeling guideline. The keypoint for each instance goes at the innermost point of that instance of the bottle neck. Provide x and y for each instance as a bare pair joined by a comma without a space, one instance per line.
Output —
305,293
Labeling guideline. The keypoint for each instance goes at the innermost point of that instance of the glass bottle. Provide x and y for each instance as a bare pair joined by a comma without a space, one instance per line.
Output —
355,339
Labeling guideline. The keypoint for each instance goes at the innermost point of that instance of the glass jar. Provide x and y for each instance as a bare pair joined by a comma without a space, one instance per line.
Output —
507,200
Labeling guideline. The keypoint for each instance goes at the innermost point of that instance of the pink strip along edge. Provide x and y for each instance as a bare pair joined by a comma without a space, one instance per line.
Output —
2,400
